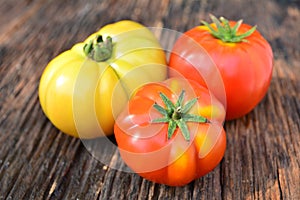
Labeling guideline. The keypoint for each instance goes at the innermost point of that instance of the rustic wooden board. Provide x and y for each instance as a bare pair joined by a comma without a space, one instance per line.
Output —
262,160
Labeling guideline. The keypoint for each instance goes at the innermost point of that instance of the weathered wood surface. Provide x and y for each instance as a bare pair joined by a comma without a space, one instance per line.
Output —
262,159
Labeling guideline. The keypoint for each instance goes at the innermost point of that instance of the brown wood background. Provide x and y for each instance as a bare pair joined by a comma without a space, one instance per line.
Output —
262,160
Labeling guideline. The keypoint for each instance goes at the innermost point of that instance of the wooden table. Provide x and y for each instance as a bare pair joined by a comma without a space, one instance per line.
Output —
37,161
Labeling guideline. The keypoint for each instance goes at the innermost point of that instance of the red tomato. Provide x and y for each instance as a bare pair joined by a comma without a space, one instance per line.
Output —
171,132
243,58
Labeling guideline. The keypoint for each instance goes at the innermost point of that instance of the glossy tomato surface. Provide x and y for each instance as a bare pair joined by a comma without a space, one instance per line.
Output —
84,88
145,146
245,66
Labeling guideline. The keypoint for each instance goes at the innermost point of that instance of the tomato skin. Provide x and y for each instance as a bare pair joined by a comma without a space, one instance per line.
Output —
144,145
82,97
245,67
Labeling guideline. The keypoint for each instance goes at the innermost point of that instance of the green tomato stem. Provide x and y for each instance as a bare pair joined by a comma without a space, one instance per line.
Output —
225,32
98,49
177,115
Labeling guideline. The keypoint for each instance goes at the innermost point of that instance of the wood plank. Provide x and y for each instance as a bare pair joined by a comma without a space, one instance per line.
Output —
262,159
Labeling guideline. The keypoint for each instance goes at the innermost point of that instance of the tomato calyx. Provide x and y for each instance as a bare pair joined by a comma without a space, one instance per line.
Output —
177,115
225,32
98,49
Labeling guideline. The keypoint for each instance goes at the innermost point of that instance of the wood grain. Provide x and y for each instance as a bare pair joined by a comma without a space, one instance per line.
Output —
262,159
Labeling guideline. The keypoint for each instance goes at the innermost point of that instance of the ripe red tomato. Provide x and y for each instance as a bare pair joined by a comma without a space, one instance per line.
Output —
171,132
243,58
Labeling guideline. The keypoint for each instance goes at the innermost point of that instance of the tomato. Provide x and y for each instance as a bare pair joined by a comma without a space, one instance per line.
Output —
242,56
171,132
83,89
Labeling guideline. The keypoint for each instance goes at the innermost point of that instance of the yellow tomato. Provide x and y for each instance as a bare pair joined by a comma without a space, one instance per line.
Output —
83,89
